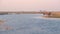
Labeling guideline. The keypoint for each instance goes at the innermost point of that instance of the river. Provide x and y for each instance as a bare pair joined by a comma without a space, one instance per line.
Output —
28,24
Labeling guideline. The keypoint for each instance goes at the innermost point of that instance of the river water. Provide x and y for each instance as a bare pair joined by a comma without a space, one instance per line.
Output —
28,24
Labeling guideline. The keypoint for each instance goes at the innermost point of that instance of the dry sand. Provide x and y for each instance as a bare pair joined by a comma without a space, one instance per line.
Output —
46,17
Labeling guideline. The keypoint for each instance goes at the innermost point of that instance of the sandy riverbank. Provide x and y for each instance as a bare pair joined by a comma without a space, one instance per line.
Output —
46,18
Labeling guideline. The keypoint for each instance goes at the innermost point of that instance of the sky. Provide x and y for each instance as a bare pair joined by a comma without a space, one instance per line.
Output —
29,5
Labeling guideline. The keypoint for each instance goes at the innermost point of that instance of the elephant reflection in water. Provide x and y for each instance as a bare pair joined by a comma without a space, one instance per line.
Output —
2,27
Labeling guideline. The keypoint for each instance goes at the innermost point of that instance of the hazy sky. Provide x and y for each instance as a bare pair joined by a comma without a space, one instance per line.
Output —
29,5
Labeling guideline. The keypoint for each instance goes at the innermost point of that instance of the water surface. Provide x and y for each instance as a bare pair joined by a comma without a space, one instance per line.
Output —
27,24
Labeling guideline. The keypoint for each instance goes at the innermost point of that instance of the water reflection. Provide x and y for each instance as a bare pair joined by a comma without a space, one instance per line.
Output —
26,24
